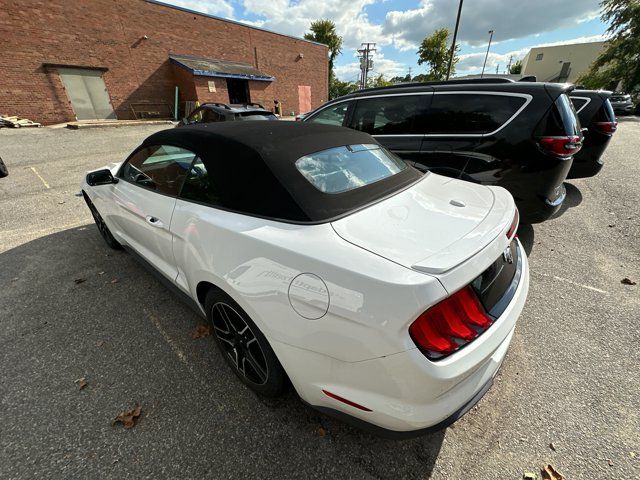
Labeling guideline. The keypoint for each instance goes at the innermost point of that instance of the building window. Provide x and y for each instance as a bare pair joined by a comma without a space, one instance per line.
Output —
539,56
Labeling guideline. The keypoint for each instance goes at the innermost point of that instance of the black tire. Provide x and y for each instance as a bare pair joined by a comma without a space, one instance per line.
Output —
243,345
102,227
3,169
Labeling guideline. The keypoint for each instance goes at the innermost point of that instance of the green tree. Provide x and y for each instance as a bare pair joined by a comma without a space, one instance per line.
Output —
338,88
324,31
620,59
434,51
378,81
516,68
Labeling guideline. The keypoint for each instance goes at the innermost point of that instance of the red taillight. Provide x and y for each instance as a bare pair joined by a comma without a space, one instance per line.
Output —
450,324
514,225
606,127
344,400
561,146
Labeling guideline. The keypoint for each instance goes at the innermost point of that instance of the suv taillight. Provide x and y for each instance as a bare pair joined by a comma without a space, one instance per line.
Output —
450,324
514,225
606,127
562,146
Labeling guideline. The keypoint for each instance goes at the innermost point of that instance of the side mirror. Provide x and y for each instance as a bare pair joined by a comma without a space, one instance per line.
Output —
101,177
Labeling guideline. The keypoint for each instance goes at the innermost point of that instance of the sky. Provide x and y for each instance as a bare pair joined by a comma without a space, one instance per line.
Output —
398,26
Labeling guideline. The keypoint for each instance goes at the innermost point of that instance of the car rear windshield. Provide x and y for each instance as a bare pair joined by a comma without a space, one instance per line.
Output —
250,116
341,169
605,113
562,119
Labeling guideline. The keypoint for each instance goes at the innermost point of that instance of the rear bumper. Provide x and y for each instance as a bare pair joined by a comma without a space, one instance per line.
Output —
407,394
539,209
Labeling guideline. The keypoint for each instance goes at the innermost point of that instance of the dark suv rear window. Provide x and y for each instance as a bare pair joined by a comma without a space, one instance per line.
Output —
390,115
562,119
475,113
605,113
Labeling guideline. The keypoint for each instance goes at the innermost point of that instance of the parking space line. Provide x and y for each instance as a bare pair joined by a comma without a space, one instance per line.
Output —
179,353
40,177
566,280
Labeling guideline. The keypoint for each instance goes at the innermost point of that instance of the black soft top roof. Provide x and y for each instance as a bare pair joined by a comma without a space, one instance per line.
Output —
253,165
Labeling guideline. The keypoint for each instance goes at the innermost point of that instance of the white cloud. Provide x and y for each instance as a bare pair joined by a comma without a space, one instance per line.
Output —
220,8
510,19
381,65
295,17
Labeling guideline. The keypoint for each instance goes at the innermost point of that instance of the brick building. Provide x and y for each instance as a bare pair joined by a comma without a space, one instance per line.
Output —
64,60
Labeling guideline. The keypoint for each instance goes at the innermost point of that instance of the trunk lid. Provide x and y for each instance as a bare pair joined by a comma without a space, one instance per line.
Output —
432,226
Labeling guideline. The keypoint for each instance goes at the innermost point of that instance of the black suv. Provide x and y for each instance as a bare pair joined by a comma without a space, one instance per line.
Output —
518,135
599,122
221,112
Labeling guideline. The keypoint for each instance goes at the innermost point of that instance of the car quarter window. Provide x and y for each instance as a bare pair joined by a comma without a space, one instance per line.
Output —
199,186
477,113
578,103
390,115
161,168
333,115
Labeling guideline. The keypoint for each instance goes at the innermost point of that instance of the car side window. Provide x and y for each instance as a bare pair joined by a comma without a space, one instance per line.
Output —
196,115
396,115
210,116
199,186
476,113
161,168
333,115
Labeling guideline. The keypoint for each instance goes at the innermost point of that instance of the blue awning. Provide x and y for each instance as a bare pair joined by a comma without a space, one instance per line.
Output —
208,67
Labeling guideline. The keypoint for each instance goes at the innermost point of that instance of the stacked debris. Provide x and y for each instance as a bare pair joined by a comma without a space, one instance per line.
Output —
17,122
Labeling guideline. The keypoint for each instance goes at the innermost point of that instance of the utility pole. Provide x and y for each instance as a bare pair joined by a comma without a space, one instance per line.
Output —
455,35
497,67
366,62
409,73
509,64
487,55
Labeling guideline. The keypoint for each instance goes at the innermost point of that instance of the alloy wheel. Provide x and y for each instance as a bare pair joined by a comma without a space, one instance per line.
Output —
239,343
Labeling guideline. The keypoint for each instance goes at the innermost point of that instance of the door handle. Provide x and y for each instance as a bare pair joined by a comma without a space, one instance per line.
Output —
154,221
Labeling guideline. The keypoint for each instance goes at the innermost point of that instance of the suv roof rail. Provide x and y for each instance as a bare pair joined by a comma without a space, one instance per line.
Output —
528,78
443,82
217,104
253,104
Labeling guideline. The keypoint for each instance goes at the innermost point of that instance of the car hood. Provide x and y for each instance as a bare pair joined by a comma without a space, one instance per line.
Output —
433,226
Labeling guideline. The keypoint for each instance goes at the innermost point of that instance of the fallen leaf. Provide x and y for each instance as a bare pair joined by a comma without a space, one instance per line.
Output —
201,331
321,431
80,280
552,446
632,454
61,202
128,418
610,462
99,343
100,273
550,473
82,382
15,279
611,225
529,476
115,280
627,281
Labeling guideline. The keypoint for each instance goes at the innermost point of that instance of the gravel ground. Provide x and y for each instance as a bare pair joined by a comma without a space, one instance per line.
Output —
569,380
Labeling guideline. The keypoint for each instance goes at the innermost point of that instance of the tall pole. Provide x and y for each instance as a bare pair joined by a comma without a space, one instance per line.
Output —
365,62
455,36
487,55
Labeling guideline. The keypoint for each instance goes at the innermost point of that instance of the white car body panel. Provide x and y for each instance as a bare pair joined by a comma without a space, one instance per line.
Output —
351,339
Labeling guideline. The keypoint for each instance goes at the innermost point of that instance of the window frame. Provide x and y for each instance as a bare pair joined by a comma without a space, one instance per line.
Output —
119,173
587,100
347,116
427,106
528,98
539,56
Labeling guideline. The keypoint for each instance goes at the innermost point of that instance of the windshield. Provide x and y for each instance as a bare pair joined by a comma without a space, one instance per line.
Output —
341,169
257,115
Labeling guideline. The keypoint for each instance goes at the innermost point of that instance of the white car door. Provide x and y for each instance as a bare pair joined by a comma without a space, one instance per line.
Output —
144,199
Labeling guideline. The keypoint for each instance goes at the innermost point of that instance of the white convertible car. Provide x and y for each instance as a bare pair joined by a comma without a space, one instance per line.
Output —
388,297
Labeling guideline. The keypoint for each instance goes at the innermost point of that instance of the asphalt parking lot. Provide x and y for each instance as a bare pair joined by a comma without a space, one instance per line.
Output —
71,308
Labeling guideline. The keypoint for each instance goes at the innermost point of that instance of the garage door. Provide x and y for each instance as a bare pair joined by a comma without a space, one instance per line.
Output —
88,93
